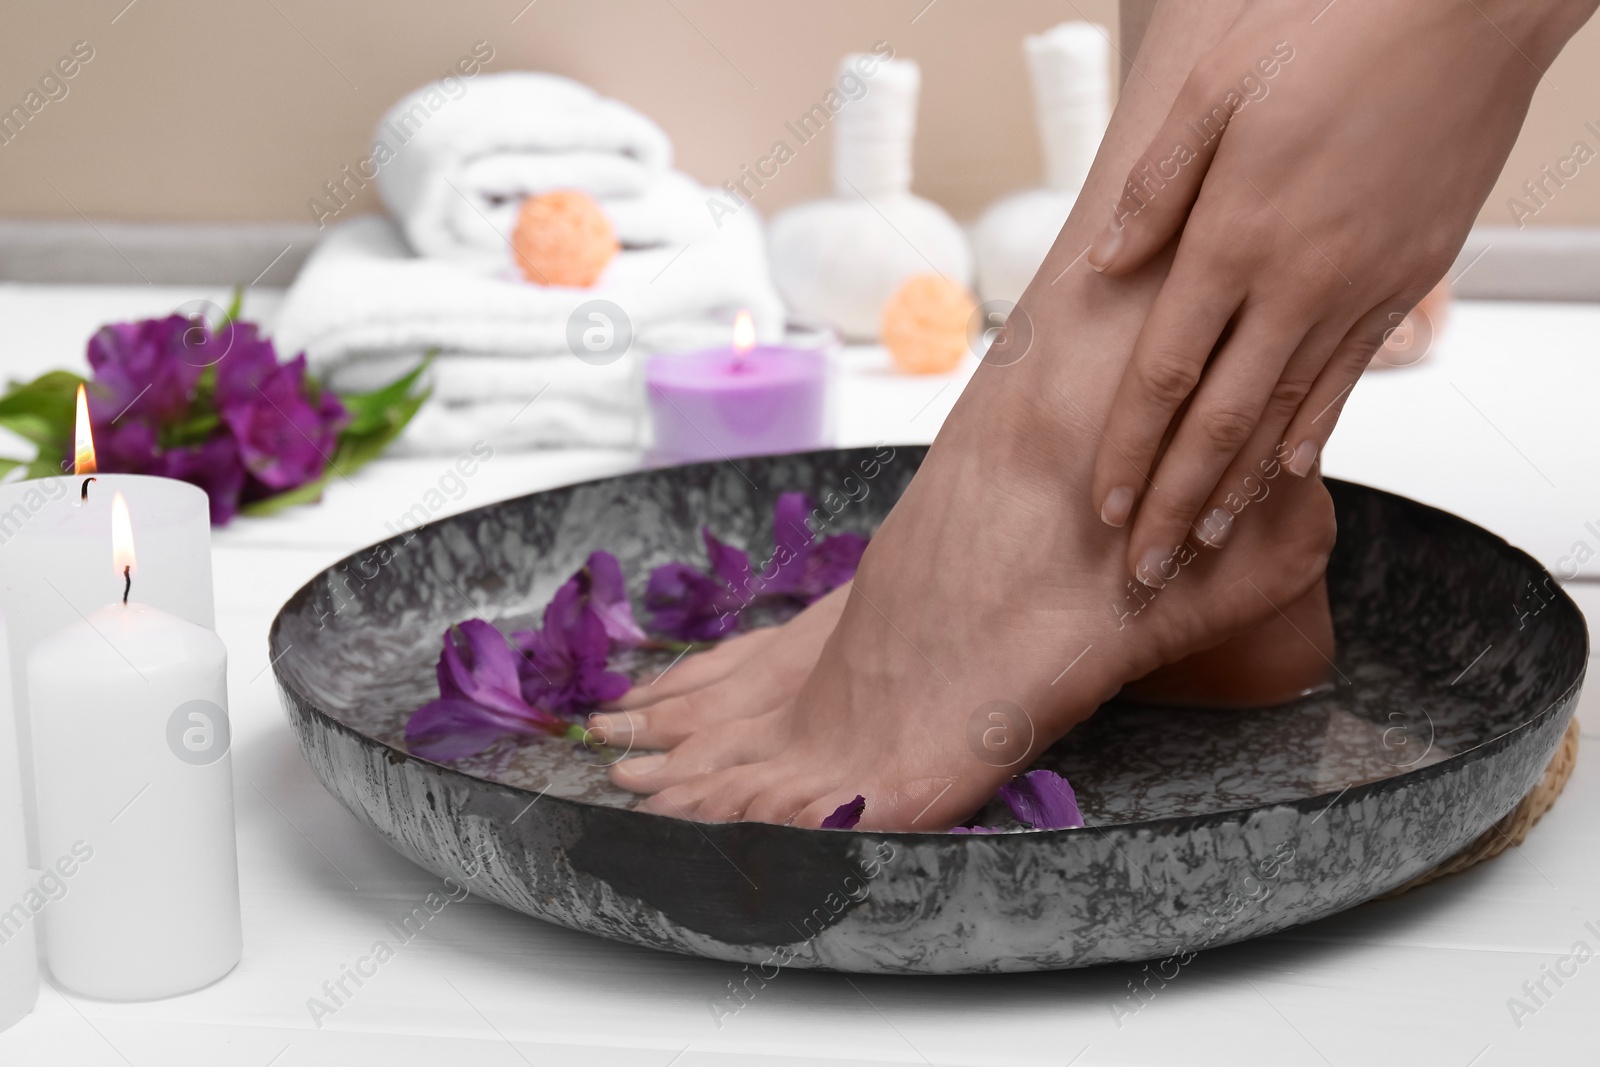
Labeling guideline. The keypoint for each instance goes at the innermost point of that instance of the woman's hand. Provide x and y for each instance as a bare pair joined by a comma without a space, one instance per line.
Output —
1323,170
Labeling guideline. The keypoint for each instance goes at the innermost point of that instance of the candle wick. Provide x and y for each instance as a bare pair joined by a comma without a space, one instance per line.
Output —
127,582
83,495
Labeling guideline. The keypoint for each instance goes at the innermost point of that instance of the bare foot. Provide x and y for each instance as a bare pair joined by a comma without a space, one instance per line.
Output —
1285,657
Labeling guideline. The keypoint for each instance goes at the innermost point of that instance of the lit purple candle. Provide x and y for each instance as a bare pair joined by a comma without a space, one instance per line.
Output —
744,400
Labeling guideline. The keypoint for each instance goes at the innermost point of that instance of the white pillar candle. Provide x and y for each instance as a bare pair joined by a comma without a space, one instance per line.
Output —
19,957
130,736
54,545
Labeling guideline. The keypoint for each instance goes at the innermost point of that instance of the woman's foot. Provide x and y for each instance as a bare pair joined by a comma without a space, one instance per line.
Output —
1283,658
901,704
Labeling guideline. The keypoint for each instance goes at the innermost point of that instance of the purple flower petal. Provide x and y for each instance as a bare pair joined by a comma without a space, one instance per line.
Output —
479,699
731,565
608,596
974,830
246,360
284,440
479,666
215,467
564,663
791,540
845,816
451,728
830,565
146,369
689,606
1043,800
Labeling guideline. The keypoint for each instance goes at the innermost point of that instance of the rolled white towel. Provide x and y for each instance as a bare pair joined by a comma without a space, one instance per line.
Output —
455,165
364,309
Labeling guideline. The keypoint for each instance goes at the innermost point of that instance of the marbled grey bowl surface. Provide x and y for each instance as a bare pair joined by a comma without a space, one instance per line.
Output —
1460,667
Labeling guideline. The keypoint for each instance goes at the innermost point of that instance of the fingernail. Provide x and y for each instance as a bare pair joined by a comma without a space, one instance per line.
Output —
641,765
1118,505
617,727
1305,454
1149,569
1215,527
1106,246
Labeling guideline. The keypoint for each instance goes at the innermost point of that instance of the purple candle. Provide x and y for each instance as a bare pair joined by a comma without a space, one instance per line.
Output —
744,400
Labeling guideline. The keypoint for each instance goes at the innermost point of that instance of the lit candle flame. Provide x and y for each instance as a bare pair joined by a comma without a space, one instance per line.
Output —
744,334
83,453
122,556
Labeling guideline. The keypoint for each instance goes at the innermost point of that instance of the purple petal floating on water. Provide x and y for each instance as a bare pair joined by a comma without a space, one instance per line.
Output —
830,565
1043,800
689,606
845,816
479,698
608,596
791,541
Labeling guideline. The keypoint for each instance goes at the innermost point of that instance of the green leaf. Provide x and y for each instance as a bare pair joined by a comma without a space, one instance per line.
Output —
371,412
308,493
232,314
51,396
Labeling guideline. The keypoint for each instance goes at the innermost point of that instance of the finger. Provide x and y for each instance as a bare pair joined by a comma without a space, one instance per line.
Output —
1191,311
1240,383
1164,182
1312,425
697,671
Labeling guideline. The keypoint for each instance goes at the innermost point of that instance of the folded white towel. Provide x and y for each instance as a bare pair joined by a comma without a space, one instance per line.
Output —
364,308
460,171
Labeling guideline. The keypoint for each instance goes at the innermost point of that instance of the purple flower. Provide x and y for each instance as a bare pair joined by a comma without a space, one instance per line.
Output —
802,568
127,446
285,436
564,666
601,580
246,361
147,369
690,606
480,698
1043,800
845,816
215,467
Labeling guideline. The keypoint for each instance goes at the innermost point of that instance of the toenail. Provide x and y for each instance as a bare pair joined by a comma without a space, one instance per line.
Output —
643,765
1150,566
1118,505
1215,527
621,726
1305,454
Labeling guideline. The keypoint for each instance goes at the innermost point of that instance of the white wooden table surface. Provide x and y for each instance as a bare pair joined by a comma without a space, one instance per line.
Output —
1498,426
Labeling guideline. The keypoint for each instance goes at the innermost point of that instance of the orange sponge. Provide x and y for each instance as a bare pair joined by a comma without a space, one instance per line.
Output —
925,324
563,238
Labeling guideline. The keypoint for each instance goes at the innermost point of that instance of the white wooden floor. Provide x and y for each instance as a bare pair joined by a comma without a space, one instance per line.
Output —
1499,426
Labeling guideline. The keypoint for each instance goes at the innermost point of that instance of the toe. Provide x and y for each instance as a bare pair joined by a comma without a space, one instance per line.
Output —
743,695
696,671
728,745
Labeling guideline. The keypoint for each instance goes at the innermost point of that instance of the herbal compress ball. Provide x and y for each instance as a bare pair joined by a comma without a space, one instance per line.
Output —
925,324
563,238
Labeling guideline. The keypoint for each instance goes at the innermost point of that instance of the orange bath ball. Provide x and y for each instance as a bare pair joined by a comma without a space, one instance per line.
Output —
563,238
925,324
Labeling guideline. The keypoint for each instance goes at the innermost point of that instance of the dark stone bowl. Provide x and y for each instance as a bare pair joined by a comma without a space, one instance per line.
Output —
1461,664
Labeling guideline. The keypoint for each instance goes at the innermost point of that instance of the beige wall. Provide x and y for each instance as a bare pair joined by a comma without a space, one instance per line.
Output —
194,110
